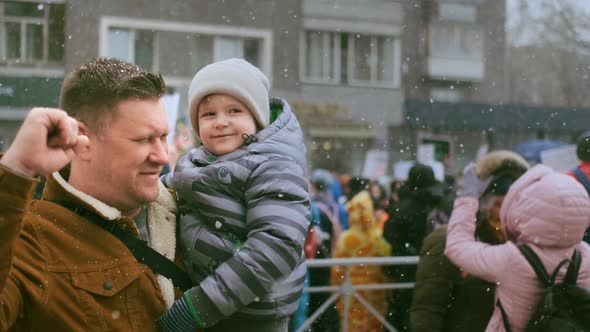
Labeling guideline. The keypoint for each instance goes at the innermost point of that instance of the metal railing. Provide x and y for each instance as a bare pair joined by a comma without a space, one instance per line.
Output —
347,289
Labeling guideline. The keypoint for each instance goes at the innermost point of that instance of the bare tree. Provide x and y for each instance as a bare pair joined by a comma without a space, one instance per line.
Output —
549,53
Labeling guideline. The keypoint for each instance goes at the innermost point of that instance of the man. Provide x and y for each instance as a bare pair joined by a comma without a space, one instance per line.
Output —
582,172
583,154
443,294
59,271
405,230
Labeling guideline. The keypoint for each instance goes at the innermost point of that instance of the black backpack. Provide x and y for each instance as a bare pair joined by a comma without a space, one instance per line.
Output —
563,307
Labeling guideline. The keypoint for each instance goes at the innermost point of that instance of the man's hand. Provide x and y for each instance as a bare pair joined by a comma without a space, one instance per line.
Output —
471,185
46,142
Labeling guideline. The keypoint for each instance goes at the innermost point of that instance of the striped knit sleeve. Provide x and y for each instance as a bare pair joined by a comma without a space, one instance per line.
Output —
277,198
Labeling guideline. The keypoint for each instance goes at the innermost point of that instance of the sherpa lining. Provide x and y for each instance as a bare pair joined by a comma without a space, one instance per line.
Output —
162,230
108,212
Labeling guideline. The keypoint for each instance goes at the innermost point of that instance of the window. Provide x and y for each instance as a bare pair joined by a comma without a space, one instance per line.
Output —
135,46
178,49
208,48
445,95
371,59
140,47
320,60
355,59
31,32
456,40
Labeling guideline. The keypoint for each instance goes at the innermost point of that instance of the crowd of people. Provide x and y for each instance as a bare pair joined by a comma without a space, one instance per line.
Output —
221,241
468,244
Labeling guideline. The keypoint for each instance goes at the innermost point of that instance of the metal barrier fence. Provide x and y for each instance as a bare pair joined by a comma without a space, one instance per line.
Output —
347,289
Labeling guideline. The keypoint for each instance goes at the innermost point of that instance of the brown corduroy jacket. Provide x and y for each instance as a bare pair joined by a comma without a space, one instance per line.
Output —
59,272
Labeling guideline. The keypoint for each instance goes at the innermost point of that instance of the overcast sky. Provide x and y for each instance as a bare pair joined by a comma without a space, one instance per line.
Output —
510,5
535,7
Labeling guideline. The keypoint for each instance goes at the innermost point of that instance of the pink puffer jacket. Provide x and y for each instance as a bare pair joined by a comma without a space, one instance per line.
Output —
547,210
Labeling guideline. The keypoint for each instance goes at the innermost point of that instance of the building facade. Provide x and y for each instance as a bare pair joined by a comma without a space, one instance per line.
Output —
337,62
459,84
361,74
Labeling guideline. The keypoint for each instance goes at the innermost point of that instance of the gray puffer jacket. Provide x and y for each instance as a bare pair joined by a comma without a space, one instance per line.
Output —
244,218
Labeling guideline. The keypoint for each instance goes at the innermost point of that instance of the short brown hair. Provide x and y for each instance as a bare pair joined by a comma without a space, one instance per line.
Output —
91,91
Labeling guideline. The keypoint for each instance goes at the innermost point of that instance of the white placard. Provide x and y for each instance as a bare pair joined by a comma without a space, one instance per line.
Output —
482,151
439,170
171,106
561,159
425,154
401,169
375,164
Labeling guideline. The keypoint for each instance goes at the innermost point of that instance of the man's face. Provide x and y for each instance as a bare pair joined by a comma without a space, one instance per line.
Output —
222,121
129,155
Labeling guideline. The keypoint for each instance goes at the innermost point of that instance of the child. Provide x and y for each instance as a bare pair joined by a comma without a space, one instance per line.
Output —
244,202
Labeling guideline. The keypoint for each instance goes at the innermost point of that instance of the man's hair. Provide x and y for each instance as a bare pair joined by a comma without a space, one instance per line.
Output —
583,147
91,92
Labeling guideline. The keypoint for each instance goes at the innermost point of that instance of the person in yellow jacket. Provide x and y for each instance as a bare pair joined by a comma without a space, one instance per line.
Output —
362,239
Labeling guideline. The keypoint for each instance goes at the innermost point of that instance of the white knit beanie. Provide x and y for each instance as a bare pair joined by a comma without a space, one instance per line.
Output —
237,78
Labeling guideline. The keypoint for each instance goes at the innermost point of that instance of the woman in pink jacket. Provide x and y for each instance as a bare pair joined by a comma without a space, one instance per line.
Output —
546,210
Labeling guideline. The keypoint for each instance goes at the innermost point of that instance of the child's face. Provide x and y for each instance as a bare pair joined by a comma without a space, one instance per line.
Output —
222,120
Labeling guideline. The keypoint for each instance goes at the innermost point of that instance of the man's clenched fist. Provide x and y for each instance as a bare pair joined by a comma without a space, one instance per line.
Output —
46,142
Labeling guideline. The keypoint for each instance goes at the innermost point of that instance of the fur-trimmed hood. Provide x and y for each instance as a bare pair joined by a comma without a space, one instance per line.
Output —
500,161
498,164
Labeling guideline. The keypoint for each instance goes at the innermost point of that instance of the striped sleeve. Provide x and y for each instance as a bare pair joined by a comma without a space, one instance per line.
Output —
277,198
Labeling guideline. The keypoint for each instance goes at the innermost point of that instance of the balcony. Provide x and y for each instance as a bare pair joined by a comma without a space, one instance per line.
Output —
455,69
455,52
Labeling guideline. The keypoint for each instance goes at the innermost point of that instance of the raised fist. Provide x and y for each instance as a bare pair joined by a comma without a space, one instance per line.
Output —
46,142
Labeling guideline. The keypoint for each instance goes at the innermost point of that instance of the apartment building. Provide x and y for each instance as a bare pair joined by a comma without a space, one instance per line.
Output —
31,60
360,74
350,90
337,61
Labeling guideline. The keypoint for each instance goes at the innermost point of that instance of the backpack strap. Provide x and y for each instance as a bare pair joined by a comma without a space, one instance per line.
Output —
536,264
158,263
571,277
504,316
548,281
582,178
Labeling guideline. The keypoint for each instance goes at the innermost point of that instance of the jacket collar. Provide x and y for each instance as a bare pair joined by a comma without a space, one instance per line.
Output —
57,188
161,219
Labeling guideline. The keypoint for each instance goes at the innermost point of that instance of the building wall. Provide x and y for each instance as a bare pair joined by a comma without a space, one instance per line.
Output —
280,16
343,120
417,84
492,15
362,117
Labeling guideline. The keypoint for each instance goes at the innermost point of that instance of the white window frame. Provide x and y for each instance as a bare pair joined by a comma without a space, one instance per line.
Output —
24,21
336,60
131,46
373,82
265,35
220,43
457,29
